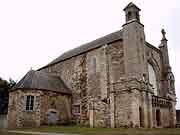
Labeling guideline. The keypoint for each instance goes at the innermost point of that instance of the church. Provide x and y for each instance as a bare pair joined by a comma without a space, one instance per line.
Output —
119,80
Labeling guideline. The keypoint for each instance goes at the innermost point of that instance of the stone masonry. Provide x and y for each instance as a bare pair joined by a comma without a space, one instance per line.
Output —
44,101
119,80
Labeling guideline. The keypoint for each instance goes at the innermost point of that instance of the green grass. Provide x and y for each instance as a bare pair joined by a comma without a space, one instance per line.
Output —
104,131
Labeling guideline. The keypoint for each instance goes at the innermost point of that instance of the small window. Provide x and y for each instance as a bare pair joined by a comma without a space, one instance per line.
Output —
29,103
129,15
76,109
94,64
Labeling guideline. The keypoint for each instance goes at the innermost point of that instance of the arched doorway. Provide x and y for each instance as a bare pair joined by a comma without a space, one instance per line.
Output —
52,117
158,117
141,117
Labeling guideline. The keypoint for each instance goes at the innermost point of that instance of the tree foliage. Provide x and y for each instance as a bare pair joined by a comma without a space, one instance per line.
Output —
5,86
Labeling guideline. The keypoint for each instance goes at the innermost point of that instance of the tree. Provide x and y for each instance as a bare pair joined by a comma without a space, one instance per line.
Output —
12,83
5,86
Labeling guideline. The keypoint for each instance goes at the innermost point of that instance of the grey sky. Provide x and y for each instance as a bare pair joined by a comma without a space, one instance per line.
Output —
34,32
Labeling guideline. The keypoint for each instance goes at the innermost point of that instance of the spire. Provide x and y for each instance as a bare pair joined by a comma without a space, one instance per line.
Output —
132,12
164,49
164,39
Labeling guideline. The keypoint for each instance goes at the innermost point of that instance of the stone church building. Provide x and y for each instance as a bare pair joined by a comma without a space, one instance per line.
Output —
119,80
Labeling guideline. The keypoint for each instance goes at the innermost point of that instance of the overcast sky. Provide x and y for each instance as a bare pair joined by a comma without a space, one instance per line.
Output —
34,32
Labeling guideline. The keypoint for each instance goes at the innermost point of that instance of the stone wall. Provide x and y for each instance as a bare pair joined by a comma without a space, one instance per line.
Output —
88,76
131,96
12,109
18,116
71,72
134,49
165,108
99,113
123,111
115,57
165,117
55,102
3,121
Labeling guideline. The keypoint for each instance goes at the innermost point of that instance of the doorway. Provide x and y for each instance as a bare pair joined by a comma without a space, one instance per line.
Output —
141,117
52,117
158,117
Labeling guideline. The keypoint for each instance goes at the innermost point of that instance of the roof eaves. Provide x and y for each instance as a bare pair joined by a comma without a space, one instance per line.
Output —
152,46
68,93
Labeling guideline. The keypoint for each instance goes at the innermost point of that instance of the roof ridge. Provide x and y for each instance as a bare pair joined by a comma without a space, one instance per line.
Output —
131,4
87,47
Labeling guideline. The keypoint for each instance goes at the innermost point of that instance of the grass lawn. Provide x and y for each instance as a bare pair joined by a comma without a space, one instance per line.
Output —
103,131
6,133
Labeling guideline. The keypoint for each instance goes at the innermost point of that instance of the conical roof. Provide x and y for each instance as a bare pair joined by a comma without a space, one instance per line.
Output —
38,80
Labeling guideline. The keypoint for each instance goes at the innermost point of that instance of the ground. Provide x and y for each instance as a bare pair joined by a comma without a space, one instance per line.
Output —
99,131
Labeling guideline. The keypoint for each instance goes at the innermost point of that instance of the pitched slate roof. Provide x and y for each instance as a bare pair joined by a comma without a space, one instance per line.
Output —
87,47
38,80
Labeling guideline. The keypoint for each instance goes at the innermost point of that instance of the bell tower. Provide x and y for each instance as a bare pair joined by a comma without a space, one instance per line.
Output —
136,66
134,43
132,12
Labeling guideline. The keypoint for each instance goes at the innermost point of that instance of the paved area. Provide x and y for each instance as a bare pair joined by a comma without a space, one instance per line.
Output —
38,133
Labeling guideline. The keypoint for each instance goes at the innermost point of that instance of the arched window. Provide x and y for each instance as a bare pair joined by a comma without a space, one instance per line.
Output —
94,65
171,83
152,78
129,15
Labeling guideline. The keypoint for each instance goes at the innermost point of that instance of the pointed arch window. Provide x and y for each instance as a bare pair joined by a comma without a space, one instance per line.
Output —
94,64
152,78
171,83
